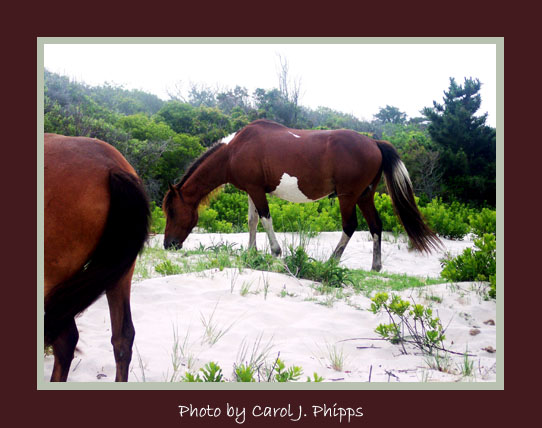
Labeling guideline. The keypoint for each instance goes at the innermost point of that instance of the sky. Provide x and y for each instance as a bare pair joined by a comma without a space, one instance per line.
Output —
352,78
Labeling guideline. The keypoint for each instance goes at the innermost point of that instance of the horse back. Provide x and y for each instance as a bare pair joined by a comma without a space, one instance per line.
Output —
263,152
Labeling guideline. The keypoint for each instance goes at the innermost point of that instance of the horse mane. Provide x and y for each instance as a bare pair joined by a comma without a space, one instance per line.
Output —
196,163
190,170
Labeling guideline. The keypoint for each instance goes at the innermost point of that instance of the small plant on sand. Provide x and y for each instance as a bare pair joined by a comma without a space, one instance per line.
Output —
213,333
315,378
244,373
425,331
467,366
168,268
332,356
210,373
335,357
282,374
298,263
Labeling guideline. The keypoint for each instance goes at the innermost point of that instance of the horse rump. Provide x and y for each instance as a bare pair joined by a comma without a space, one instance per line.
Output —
125,233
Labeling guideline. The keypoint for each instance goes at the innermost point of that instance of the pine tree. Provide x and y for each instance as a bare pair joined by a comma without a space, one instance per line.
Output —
467,146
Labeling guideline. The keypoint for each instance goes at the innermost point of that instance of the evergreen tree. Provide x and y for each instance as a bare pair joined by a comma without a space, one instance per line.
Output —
466,145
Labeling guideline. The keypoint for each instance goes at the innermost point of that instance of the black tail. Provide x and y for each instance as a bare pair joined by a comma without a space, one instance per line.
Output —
125,233
402,196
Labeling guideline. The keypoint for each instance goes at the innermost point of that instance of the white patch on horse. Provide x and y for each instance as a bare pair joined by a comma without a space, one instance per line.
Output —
288,190
296,136
227,139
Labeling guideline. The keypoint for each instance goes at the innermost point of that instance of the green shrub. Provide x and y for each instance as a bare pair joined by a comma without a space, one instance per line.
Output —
231,206
425,332
474,265
158,219
168,268
211,373
449,221
483,222
283,374
329,273
208,221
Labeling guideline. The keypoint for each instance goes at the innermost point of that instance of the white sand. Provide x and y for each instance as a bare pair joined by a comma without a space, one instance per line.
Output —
291,317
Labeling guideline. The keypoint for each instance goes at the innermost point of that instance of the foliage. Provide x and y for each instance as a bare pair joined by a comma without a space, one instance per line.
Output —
244,373
209,124
329,273
467,146
390,114
425,332
449,221
420,156
248,372
167,267
474,265
484,221
283,374
158,220
208,221
450,153
211,373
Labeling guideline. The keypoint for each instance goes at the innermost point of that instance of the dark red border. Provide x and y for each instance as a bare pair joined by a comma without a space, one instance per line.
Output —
23,403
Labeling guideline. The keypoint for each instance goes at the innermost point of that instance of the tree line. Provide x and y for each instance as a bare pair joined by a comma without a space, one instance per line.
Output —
449,150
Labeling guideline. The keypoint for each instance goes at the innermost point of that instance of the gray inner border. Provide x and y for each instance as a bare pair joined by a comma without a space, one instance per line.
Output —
497,41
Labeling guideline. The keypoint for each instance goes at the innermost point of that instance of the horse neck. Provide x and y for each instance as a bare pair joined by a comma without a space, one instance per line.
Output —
210,174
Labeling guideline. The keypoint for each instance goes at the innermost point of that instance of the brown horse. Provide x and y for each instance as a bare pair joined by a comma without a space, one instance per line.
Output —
96,222
299,166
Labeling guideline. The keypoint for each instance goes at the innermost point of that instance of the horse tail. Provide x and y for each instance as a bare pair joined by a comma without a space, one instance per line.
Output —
402,197
125,233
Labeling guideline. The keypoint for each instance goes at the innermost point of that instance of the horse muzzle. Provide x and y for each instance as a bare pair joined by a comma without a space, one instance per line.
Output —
172,244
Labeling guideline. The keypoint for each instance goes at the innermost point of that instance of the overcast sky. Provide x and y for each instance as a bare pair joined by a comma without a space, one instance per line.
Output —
352,78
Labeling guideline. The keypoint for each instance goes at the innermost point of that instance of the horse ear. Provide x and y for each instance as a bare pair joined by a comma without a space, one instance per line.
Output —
171,187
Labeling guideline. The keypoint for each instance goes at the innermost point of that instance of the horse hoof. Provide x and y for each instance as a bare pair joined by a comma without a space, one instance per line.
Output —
276,253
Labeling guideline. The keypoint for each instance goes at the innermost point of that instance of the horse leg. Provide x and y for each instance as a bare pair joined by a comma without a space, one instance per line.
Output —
367,206
122,328
253,219
262,207
349,221
63,348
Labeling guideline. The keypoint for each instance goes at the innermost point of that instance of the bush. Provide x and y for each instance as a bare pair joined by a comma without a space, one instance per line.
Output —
329,273
158,220
474,265
449,221
425,332
483,222
208,221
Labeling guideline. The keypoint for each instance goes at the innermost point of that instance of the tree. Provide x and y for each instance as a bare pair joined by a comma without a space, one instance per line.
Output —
290,89
391,114
421,158
231,99
467,147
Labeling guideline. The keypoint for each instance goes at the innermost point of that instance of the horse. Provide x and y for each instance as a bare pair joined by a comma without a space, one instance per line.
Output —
96,217
299,166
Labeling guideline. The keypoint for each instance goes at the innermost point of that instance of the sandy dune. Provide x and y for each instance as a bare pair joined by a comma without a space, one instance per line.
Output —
252,312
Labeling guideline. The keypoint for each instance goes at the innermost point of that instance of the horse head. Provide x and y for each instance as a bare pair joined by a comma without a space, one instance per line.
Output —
181,218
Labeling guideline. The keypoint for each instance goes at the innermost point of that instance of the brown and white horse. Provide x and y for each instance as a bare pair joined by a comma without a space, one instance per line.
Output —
299,166
96,222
